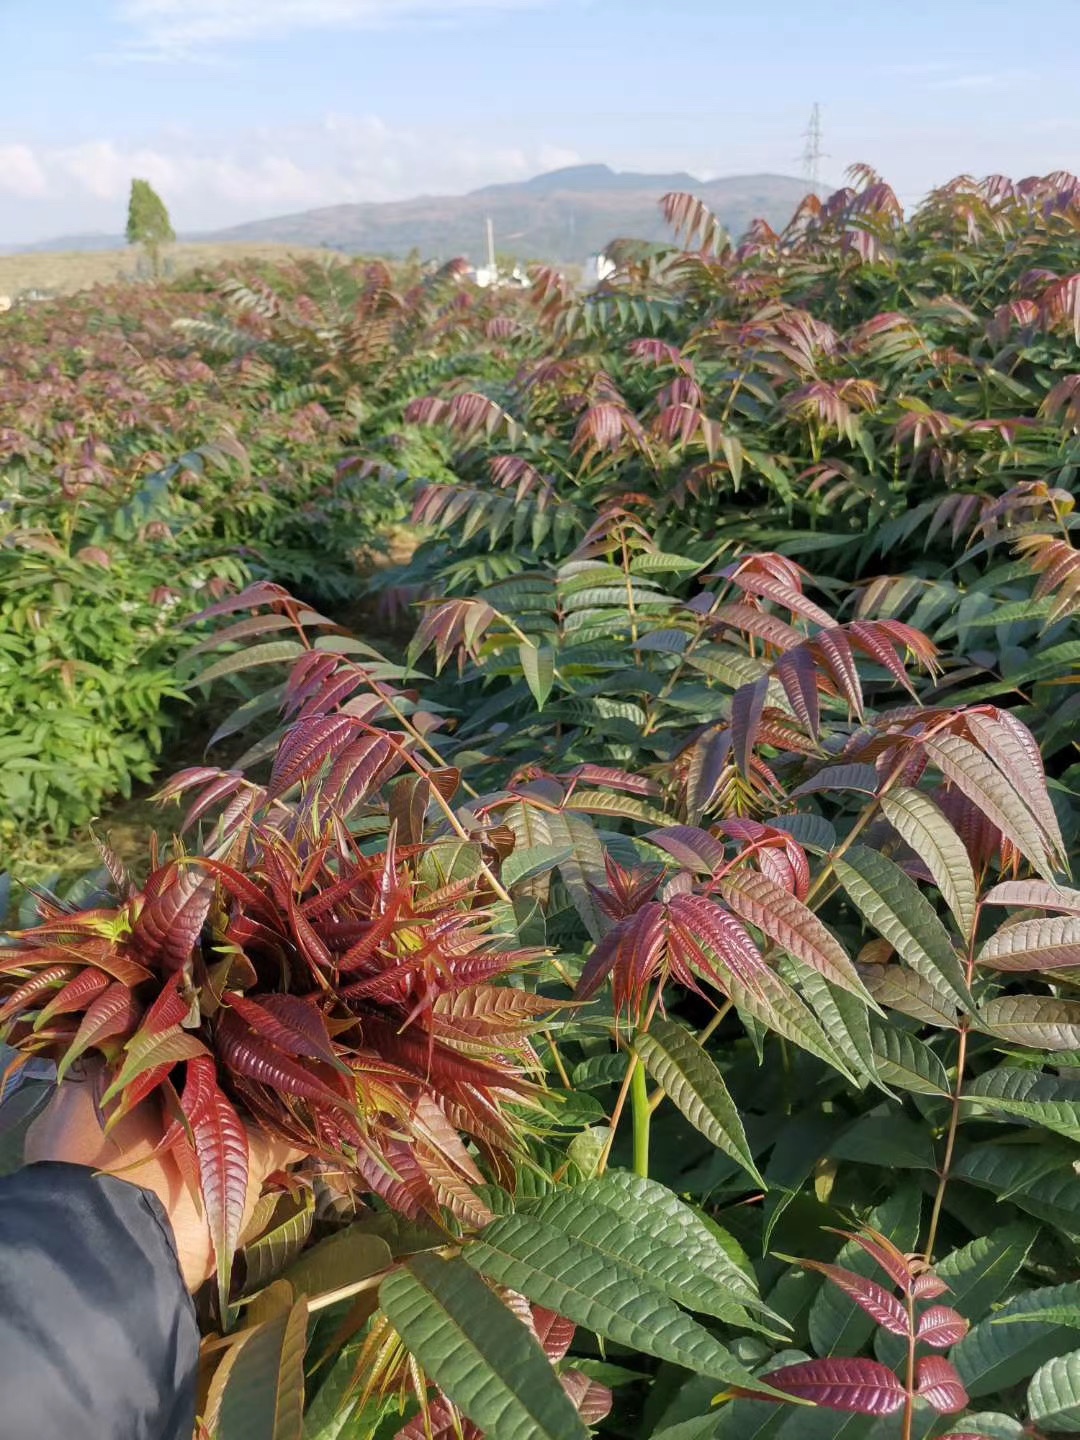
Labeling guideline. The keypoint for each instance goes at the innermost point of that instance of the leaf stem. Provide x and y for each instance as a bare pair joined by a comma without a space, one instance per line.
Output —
954,1113
909,1385
557,1059
642,1115
624,1089
950,1141
867,815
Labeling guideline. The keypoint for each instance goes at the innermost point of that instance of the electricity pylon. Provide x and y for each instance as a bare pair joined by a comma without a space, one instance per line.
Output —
812,151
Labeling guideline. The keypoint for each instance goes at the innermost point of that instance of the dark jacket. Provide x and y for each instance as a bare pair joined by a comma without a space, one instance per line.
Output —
98,1339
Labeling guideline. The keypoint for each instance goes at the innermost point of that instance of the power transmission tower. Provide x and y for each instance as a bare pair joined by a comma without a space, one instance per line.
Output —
812,152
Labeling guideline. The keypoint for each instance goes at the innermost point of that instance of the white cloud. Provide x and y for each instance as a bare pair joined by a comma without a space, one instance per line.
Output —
20,172
181,27
207,185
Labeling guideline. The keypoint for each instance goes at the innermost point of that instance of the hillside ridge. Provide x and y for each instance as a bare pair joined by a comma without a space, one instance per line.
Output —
562,215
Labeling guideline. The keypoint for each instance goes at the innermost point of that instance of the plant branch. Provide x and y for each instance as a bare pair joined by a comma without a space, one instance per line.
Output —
642,1115
954,1113
624,1089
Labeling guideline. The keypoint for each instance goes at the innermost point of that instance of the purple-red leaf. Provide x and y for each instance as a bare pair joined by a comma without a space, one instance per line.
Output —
939,1384
172,918
928,1286
294,1025
941,1326
797,673
221,1149
75,995
884,1308
44,980
759,901
860,1387
255,1057
746,706
115,1012
692,847
882,1250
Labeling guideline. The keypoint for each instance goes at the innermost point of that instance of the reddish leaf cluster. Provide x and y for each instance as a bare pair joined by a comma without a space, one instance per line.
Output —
867,1387
333,997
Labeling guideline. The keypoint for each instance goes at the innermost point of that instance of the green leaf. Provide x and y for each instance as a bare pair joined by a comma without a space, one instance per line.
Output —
652,1208
919,822
993,1356
799,1145
658,560
538,667
774,1005
1039,1178
583,866
331,1410
478,1351
844,1019
907,1062
1048,664
889,1140
1060,1315
837,1325
265,1257
145,1050
897,909
1054,1394
988,1425
1041,1021
273,653
262,1397
900,989
841,777
612,802
532,860
980,1273
340,1260
1051,1101
659,1263
676,1061
600,1294
600,1071
822,1424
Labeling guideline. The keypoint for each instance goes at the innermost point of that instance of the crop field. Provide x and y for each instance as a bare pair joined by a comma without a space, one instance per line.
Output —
616,798
66,272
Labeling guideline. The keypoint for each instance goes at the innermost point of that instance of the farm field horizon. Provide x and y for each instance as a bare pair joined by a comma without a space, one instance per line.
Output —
539,763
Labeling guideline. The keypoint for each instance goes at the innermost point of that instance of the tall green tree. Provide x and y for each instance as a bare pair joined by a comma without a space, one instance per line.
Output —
148,222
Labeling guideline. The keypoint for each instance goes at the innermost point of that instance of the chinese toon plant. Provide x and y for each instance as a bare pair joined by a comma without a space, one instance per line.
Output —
340,942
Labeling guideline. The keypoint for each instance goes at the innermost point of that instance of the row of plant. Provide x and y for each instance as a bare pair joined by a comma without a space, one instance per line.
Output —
675,994
162,445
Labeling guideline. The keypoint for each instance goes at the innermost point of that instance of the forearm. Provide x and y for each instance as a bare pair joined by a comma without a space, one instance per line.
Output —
97,1329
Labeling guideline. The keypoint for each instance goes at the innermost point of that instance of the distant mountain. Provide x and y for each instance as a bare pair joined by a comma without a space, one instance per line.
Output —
566,215
82,244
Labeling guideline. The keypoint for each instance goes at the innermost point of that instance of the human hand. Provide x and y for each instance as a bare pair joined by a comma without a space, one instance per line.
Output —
69,1129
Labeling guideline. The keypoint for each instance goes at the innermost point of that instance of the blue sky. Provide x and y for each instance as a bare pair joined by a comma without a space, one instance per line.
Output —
243,108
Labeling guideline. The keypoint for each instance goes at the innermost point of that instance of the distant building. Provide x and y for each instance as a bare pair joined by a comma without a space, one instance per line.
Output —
490,276
599,268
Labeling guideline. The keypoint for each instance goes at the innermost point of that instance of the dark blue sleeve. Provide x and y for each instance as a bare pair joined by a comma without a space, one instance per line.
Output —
98,1336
